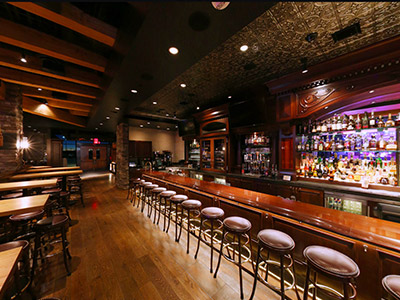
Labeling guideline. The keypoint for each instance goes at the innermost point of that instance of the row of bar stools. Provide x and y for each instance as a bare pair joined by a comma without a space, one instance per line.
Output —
274,241
155,198
190,206
240,228
391,284
174,210
212,215
148,197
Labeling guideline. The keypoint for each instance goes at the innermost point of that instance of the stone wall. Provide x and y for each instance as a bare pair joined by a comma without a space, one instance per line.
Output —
11,124
122,174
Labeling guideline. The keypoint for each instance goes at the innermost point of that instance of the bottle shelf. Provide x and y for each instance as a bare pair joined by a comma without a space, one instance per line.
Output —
257,146
348,151
347,132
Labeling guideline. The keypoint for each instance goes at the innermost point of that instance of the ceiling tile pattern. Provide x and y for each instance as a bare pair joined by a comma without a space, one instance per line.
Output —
276,43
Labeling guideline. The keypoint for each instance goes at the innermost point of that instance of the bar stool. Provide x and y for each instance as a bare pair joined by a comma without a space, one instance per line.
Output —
75,188
147,197
190,206
12,195
134,184
155,193
22,224
64,203
333,264
391,284
51,225
164,197
176,200
141,191
239,227
211,214
281,244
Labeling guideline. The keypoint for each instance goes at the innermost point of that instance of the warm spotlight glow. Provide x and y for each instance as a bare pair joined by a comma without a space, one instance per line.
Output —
244,48
173,50
134,91
183,85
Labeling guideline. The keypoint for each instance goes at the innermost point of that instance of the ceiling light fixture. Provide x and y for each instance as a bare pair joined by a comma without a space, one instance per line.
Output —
167,128
183,85
101,124
244,48
176,126
173,50
23,59
229,97
148,123
116,108
141,125
371,91
155,102
39,89
108,118
220,5
326,107
167,115
304,63
45,102
158,126
96,128
198,107
134,91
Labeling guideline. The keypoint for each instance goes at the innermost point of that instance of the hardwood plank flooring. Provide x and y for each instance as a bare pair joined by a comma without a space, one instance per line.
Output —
118,253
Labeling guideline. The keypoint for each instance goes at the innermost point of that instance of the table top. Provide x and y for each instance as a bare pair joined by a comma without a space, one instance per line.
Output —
11,186
37,170
8,260
45,174
22,205
38,167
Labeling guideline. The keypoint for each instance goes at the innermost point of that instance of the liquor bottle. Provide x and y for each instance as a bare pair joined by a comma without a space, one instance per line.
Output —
314,128
382,143
328,144
365,122
358,122
398,120
389,122
345,122
316,142
380,122
391,145
318,126
339,123
334,123
323,127
321,145
373,143
329,124
372,123
351,124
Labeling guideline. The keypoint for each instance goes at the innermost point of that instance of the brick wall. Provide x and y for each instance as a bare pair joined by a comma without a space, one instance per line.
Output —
122,174
11,117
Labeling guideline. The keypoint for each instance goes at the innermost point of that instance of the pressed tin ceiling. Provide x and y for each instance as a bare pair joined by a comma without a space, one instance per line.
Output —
276,43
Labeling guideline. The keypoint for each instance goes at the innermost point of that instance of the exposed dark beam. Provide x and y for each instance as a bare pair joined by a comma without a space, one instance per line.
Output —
37,81
48,95
36,41
69,16
68,105
79,113
12,59
37,108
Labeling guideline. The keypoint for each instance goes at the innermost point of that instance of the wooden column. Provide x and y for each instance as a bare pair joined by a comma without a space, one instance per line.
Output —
122,174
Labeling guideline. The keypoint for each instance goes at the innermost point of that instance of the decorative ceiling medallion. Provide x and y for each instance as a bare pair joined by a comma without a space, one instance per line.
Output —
314,99
220,5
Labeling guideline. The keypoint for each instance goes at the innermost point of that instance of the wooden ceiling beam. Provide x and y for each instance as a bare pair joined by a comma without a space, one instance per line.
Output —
70,106
48,95
12,59
69,16
79,113
37,81
37,108
36,41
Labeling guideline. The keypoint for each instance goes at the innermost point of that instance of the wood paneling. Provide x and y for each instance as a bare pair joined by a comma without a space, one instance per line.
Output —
284,107
72,106
73,18
54,152
140,149
36,41
48,95
34,107
11,59
310,196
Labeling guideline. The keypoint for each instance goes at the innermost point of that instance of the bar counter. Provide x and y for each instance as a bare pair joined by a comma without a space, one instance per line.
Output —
373,243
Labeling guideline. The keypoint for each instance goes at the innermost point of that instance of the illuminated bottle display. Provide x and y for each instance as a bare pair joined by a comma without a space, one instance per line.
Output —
257,154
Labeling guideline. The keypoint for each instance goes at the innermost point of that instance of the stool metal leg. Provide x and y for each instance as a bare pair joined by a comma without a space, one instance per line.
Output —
282,278
169,215
199,238
240,267
188,230
220,253
306,286
176,223
212,245
64,238
256,273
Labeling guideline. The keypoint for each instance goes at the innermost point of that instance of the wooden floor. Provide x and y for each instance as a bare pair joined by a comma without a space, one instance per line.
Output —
118,253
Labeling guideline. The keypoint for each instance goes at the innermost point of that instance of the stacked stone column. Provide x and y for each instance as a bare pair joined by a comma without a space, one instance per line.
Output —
122,174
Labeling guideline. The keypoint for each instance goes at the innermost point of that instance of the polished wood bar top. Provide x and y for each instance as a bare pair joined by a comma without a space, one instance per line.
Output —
8,261
51,169
375,231
45,174
22,205
11,186
38,167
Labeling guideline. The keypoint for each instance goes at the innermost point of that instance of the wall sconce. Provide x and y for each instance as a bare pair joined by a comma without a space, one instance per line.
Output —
23,144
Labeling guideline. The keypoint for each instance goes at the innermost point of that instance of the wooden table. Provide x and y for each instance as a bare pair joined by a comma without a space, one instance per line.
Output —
26,185
63,174
38,167
8,266
51,169
22,205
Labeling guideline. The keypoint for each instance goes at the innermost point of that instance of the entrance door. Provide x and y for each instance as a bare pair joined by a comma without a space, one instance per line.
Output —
93,157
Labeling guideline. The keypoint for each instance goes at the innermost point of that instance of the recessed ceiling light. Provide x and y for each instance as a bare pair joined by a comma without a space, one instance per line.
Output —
176,126
148,123
154,102
108,118
372,102
229,97
167,115
198,107
326,107
158,126
134,91
371,91
116,108
96,128
167,128
173,50
244,48
101,124
183,85
29,126
141,125
39,89
304,71
23,59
